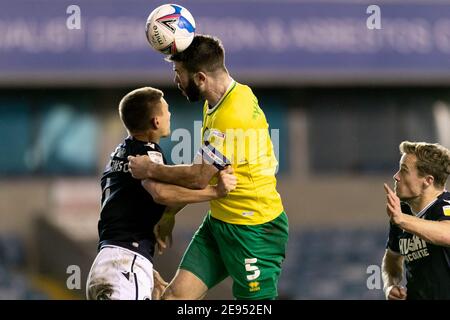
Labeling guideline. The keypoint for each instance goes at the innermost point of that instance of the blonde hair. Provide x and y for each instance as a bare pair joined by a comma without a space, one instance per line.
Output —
432,159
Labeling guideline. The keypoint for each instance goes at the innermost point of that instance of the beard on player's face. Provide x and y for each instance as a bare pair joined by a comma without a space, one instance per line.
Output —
192,91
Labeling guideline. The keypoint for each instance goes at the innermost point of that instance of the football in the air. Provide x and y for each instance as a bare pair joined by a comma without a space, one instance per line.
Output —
170,28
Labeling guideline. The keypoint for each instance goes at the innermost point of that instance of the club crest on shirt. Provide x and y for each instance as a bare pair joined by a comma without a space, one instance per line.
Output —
214,136
254,286
413,248
446,210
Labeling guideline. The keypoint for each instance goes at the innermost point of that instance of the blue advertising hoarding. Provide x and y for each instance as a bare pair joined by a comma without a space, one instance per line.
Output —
267,42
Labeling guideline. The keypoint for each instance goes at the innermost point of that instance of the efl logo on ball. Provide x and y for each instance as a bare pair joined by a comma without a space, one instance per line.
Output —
170,28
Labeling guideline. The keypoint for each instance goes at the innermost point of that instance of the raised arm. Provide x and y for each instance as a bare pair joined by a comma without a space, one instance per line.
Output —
435,232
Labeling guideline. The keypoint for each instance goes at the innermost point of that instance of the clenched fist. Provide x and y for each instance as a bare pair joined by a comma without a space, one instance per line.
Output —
140,166
227,181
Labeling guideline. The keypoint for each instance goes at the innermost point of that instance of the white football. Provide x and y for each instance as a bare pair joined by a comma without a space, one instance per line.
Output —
170,28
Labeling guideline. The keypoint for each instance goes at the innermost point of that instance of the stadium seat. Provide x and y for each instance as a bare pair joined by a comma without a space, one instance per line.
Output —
14,285
331,264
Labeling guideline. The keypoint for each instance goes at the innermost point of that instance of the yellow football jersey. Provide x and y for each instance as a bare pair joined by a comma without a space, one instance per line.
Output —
235,131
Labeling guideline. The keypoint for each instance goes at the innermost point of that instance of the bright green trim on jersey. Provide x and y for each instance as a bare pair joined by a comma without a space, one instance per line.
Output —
230,88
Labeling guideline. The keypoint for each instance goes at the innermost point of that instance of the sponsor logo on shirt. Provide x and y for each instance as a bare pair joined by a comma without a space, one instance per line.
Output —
118,166
446,210
254,286
413,248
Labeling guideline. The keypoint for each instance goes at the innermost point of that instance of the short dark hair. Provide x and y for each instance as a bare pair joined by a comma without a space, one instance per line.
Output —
205,53
138,106
432,159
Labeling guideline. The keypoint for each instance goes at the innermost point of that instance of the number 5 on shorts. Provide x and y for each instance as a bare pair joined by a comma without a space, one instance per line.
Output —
250,268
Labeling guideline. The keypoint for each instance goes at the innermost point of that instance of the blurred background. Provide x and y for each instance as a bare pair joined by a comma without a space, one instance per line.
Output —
339,97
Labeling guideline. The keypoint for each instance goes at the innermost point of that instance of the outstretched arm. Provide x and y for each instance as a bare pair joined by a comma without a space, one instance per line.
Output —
176,197
173,195
193,176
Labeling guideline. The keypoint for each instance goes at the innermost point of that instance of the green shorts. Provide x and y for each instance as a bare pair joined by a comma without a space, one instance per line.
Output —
250,254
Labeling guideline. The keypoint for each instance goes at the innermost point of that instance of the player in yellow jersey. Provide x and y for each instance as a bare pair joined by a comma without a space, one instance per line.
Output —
244,235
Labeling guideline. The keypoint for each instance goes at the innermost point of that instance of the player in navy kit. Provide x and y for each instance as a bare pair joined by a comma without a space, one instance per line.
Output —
419,235
123,268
